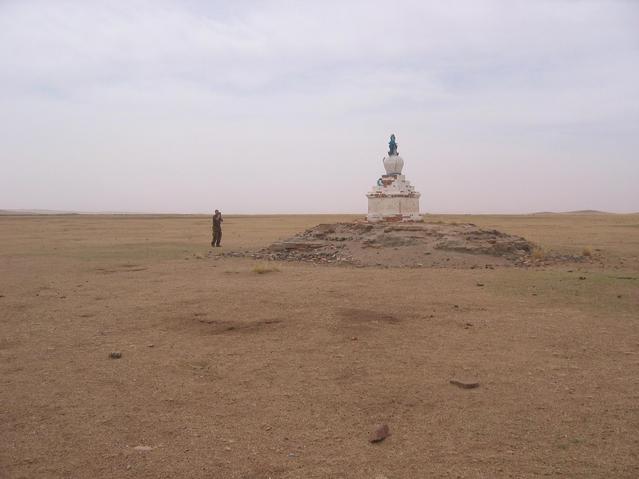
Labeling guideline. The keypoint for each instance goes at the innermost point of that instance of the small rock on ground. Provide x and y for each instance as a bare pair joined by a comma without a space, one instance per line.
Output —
464,385
380,433
143,448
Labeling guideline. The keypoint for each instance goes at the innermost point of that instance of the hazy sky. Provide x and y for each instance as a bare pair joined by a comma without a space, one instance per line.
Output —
264,107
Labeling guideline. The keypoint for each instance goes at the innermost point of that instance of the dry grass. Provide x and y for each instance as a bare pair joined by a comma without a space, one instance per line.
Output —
587,251
538,254
263,268
229,373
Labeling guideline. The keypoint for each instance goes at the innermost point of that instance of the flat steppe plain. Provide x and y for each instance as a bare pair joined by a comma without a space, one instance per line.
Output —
226,373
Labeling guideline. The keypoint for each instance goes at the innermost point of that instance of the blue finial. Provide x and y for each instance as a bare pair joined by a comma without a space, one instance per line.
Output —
392,146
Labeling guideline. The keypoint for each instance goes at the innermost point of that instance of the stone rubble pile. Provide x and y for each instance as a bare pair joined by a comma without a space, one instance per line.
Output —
299,251
364,244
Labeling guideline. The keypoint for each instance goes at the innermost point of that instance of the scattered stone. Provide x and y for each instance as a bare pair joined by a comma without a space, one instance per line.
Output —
295,246
480,284
582,277
115,355
354,338
151,345
464,385
380,433
143,448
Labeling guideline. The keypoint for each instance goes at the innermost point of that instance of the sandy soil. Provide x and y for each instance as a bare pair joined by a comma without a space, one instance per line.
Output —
226,373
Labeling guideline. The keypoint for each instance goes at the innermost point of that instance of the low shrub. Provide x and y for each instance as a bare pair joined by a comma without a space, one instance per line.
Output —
538,254
263,268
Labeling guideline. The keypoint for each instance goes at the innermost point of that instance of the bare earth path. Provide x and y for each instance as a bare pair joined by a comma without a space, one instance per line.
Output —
226,373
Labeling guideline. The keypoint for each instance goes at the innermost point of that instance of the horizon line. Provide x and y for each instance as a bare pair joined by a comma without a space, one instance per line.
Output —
48,212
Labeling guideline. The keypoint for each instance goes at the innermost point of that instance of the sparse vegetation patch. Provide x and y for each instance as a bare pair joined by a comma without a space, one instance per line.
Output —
263,268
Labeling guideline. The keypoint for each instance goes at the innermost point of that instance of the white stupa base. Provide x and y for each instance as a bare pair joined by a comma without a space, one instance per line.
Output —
393,199
393,208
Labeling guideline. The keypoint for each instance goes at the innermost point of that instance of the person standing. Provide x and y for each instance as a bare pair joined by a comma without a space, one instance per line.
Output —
217,228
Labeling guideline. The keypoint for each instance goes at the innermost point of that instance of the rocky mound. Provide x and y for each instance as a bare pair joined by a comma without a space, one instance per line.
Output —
404,244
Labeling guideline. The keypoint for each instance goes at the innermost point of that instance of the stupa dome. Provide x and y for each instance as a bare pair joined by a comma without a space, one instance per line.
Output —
393,164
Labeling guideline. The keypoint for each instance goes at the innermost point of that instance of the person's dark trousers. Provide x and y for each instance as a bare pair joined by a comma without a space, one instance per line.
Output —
217,236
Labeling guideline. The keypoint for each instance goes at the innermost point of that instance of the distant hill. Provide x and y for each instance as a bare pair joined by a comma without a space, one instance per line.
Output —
36,212
578,212
588,212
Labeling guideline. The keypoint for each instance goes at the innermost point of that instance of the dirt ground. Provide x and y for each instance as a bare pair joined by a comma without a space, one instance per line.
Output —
227,373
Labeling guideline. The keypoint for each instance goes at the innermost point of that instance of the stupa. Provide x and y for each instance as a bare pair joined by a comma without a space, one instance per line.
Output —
393,198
